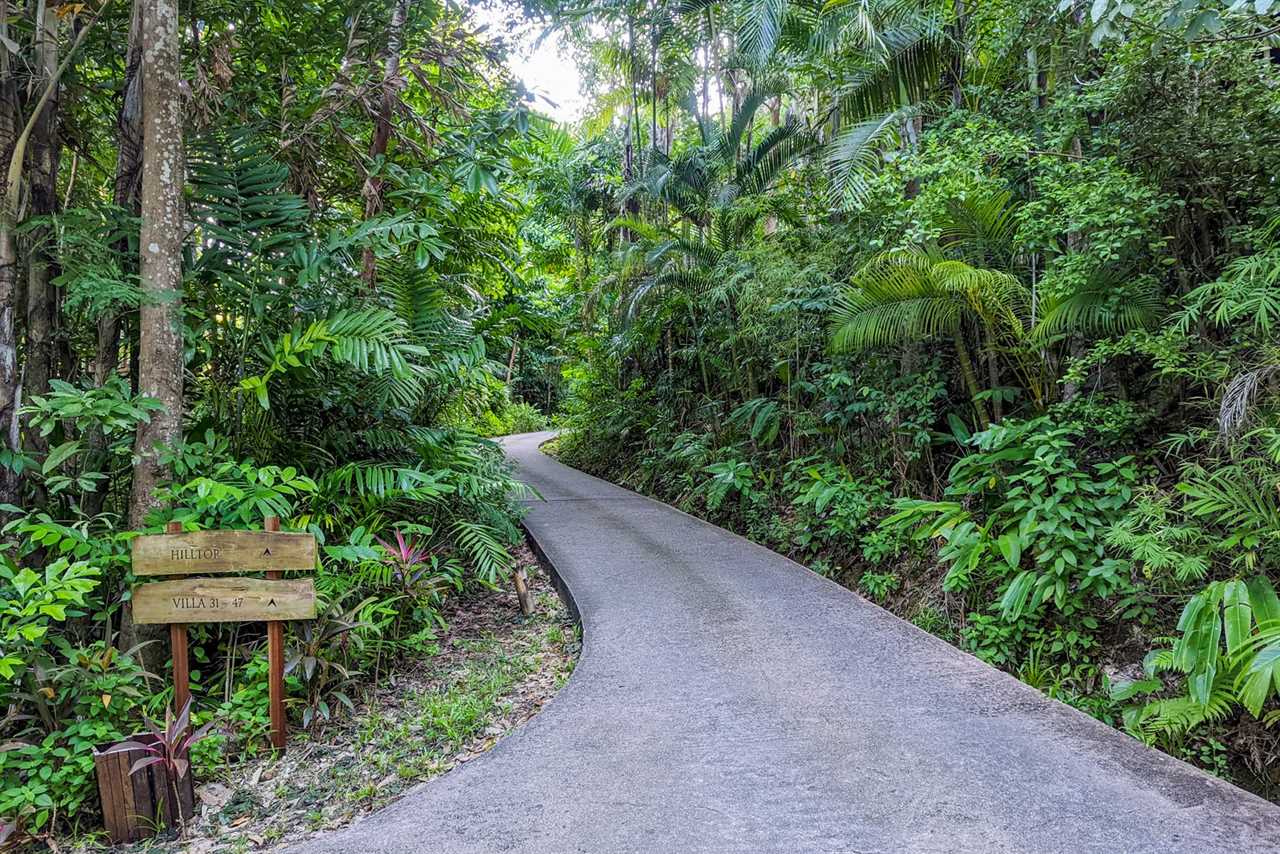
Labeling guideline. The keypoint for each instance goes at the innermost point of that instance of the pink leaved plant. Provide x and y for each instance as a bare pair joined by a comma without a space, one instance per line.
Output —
411,561
169,745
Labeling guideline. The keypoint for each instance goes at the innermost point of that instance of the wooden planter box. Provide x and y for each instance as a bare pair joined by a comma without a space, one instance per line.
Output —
138,806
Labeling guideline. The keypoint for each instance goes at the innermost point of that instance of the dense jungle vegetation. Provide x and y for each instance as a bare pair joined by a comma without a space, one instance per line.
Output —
970,305
319,327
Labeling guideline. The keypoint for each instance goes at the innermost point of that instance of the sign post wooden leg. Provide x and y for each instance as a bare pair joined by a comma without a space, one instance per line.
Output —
181,669
275,663
178,650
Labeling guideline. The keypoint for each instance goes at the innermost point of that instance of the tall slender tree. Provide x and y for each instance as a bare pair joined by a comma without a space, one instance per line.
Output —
126,190
160,364
43,153
128,182
9,379
391,82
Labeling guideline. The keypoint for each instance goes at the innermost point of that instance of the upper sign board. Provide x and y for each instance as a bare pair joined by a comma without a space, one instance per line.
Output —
203,552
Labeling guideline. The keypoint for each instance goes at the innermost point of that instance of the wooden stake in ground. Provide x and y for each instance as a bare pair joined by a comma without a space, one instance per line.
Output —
522,591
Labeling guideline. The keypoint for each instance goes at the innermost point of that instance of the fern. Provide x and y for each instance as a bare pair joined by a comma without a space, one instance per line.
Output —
1238,498
1245,294
481,545
1174,717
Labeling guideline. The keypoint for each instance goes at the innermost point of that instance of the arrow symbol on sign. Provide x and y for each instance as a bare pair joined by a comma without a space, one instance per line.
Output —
266,552
271,603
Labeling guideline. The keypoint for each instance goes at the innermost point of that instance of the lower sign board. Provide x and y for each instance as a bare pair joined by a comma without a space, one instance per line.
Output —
232,600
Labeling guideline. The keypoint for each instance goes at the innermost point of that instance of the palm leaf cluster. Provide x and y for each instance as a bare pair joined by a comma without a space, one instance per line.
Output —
918,295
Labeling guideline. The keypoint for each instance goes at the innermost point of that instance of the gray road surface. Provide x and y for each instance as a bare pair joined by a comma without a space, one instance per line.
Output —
728,700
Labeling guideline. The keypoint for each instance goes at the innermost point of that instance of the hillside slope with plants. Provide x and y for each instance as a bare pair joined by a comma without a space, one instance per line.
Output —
256,259
971,306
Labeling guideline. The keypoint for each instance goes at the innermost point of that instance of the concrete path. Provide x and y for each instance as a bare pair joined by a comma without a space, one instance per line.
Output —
728,700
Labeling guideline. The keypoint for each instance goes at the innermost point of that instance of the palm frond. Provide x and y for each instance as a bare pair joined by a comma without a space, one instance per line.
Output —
484,549
759,27
980,226
780,147
908,73
854,156
893,298
916,295
1100,309
659,285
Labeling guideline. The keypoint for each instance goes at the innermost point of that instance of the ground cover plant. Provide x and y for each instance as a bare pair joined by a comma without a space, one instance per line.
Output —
489,672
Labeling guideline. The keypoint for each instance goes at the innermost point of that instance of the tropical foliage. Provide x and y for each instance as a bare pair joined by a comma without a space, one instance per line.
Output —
351,311
970,306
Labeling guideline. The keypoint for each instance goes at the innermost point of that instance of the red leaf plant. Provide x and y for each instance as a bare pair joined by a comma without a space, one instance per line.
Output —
169,745
411,564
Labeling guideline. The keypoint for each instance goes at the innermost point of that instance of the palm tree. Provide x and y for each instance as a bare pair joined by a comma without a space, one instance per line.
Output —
918,295
883,60
719,192
708,187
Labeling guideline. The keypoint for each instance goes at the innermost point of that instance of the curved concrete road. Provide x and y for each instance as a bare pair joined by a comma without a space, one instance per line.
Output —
728,700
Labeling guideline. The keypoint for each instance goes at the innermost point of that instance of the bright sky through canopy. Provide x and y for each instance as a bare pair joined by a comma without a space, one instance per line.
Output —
545,67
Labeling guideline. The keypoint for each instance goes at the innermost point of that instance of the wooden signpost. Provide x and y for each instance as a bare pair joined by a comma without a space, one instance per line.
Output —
184,599
223,600
179,553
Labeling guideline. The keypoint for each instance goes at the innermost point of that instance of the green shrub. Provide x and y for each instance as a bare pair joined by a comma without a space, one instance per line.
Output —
1024,528
87,698
878,585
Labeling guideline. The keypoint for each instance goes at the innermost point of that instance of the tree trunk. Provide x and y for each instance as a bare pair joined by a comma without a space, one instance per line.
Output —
706,69
775,120
653,93
10,383
971,380
955,67
667,129
128,184
43,149
629,171
127,188
912,127
382,127
671,365
159,351
160,316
